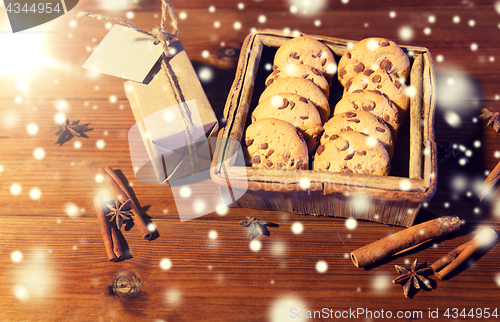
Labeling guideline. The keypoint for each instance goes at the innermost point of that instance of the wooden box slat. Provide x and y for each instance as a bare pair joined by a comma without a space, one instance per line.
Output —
393,200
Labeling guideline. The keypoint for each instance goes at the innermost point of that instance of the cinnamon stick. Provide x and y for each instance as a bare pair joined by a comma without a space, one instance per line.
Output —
483,239
117,248
404,240
448,258
122,194
105,230
490,181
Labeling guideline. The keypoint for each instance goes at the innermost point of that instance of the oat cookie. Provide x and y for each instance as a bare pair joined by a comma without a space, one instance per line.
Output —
374,102
373,53
272,143
308,51
360,121
302,87
295,110
385,83
299,70
352,152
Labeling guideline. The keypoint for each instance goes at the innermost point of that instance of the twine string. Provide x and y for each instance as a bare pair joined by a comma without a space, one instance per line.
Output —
159,35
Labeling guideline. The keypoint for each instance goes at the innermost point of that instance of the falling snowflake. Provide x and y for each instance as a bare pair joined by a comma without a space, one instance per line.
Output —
16,189
21,293
361,204
151,227
205,74
497,279
221,209
100,144
278,248
32,129
165,264
60,118
255,245
71,209
77,144
381,282
351,223
406,33
115,5
305,183
452,118
16,256
297,228
173,296
185,192
39,153
35,193
199,206
286,308
212,234
321,266
459,183
308,7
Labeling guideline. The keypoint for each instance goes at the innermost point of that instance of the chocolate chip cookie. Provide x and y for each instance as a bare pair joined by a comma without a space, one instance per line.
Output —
360,121
386,83
373,53
352,152
308,51
374,102
272,143
302,87
299,70
295,110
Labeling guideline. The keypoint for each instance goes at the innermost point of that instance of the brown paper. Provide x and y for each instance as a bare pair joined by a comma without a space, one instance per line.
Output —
156,110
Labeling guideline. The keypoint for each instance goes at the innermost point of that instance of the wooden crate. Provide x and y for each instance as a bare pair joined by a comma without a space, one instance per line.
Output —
394,199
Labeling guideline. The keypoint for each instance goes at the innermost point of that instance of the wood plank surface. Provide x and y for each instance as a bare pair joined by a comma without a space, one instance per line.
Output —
53,265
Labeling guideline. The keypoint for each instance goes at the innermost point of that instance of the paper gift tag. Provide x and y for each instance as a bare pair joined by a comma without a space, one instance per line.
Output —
125,53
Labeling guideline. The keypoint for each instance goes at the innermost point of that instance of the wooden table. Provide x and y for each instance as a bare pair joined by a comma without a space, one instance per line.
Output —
52,258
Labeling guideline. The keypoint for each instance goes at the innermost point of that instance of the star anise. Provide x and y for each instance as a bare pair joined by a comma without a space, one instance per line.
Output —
71,129
119,212
411,276
493,118
255,226
449,153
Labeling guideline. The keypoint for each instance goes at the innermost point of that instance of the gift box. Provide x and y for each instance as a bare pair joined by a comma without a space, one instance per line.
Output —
174,117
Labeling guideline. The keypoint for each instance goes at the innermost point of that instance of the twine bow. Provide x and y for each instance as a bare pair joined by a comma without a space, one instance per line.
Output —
159,35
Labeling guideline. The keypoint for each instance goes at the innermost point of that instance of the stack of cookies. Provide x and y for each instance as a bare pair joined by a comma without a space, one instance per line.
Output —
360,137
288,121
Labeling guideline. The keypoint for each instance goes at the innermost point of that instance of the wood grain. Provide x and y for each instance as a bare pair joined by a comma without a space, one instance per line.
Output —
64,273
